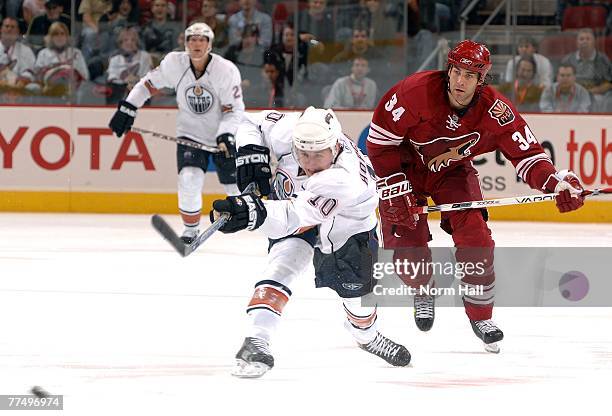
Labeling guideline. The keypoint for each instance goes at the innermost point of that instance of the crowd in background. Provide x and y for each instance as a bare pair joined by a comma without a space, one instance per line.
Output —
341,54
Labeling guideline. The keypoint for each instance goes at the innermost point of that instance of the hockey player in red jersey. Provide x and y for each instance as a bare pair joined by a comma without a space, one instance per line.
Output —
424,133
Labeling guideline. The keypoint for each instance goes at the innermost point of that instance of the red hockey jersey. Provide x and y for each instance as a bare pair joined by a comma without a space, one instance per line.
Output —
414,125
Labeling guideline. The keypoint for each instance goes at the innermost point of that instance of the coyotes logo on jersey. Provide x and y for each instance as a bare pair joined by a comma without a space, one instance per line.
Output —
501,112
440,152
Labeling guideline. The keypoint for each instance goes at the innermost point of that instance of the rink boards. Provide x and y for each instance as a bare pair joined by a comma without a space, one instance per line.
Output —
62,159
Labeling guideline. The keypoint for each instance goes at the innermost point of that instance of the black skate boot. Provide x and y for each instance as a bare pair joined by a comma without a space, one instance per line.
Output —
189,235
489,333
254,359
394,354
424,312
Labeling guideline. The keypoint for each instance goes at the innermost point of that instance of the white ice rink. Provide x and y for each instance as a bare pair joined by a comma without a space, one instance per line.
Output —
100,309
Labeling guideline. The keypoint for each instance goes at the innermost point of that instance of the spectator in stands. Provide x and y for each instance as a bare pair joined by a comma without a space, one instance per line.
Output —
33,8
359,46
593,68
354,91
565,95
285,49
317,28
273,90
39,26
317,22
145,7
382,27
248,14
127,66
248,56
160,34
122,14
194,8
59,67
527,47
16,59
12,8
92,11
524,91
218,24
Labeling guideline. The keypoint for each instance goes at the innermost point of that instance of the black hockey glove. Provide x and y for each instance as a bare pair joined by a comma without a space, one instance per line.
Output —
246,212
227,144
253,165
123,118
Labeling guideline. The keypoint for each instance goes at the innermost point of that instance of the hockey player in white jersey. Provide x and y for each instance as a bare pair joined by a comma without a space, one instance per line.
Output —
210,105
321,209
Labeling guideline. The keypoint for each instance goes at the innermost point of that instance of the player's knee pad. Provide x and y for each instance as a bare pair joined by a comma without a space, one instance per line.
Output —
361,320
287,259
469,228
348,271
190,184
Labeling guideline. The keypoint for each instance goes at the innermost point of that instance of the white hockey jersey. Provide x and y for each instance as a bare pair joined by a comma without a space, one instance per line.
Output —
17,59
123,68
341,200
208,106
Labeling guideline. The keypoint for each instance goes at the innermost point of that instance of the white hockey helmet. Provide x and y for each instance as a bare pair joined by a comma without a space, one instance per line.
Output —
200,29
317,129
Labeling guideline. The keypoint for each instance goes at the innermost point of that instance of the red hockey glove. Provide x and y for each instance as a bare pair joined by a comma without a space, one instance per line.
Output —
569,188
397,202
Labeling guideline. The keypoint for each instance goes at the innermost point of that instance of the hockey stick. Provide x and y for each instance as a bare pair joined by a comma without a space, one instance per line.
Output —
175,241
184,142
514,200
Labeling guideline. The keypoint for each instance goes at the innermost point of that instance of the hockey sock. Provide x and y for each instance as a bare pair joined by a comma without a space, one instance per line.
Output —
361,320
266,307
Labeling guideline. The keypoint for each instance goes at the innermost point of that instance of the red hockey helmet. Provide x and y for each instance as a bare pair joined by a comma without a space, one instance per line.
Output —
471,56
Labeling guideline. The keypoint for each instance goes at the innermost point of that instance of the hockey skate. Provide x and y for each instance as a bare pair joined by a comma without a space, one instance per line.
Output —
383,347
489,333
424,312
189,235
254,359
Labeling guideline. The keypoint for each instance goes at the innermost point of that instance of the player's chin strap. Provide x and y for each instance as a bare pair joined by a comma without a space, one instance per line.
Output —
513,200
184,142
175,241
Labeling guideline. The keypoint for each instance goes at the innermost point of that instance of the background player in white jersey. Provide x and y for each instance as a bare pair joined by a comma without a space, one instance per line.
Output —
321,209
210,106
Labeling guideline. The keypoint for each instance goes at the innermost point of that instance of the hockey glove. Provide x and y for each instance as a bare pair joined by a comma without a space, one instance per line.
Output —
123,118
246,212
397,202
569,189
253,165
227,145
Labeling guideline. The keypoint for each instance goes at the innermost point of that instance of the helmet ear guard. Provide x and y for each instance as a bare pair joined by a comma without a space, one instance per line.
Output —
200,29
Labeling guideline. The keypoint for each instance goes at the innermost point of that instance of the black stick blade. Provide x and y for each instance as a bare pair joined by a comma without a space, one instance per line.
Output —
168,234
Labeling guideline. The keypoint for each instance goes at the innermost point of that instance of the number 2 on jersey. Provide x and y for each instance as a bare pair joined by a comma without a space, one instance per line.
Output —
396,113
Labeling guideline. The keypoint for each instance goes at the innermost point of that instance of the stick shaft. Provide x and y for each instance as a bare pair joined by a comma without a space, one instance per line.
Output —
178,140
498,202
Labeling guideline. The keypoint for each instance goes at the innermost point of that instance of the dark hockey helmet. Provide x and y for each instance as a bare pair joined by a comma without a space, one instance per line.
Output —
471,56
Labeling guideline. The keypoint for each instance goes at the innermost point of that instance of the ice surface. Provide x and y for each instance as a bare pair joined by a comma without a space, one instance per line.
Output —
100,309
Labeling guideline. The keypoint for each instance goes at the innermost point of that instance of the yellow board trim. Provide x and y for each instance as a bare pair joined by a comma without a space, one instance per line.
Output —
146,203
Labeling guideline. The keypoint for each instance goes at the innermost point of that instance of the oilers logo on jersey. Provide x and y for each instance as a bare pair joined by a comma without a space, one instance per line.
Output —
199,99
283,185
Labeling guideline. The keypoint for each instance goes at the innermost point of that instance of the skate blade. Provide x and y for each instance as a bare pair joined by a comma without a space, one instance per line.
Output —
244,369
493,348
